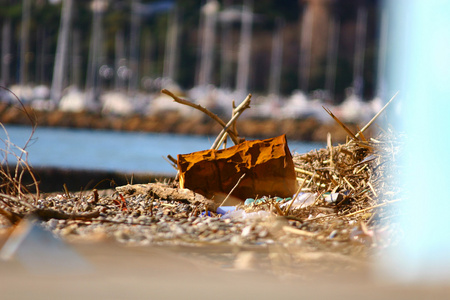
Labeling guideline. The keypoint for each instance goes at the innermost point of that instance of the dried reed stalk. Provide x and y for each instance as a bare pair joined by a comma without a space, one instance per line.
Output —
377,115
232,190
340,123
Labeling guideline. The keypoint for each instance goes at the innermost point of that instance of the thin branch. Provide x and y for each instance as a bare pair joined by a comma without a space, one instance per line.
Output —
239,110
213,116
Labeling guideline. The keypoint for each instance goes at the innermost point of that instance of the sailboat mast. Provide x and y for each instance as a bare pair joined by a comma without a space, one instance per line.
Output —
24,41
358,66
59,69
245,43
276,59
6,52
135,34
209,32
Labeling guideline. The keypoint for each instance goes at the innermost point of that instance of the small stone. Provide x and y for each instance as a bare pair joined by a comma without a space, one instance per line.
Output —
245,260
71,229
177,230
263,233
333,234
246,231
236,240
196,221
143,220
214,227
52,223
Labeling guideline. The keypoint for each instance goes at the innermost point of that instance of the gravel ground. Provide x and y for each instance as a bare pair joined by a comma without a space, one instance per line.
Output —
264,241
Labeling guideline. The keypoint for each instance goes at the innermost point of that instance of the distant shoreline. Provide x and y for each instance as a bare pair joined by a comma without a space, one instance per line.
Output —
308,129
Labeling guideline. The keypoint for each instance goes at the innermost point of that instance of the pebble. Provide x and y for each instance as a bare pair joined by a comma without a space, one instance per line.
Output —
246,231
52,223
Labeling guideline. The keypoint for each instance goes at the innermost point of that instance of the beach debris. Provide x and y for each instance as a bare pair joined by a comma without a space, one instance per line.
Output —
343,201
249,201
248,169
161,191
222,210
301,200
229,129
241,214
267,165
333,197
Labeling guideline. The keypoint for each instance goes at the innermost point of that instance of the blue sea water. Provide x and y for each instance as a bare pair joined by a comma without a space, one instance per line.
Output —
108,150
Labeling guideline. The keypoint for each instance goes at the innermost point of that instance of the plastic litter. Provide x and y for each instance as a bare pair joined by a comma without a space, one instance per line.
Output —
302,200
249,201
225,209
332,197
242,215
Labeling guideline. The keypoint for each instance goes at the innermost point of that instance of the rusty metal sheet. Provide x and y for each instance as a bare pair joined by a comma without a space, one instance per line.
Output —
267,165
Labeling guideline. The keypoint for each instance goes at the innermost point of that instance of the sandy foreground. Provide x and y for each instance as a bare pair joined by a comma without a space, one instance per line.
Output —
108,270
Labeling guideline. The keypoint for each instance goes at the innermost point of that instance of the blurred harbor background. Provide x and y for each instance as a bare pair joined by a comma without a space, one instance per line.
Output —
102,64
114,57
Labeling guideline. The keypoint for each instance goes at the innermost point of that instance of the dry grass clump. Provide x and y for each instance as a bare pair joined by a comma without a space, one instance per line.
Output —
360,177
12,176
13,192
353,172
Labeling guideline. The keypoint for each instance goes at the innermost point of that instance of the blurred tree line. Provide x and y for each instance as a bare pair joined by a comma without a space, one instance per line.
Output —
45,17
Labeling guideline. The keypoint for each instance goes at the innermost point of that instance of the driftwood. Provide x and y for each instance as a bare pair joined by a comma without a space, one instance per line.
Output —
213,116
229,129
164,192
236,113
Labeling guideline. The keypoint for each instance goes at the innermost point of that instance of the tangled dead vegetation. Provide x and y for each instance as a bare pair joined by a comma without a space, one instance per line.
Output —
351,191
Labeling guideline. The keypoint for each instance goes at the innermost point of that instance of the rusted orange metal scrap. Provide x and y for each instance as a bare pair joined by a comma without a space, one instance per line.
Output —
249,169
267,165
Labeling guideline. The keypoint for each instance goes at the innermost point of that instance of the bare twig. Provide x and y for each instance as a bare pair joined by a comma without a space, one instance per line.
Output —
172,161
239,110
15,180
213,116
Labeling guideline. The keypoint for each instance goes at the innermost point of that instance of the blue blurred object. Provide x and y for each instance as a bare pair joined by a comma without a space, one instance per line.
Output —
419,63
224,209
249,201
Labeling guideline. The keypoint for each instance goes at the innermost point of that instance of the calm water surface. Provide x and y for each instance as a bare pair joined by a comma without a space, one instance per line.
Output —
111,150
